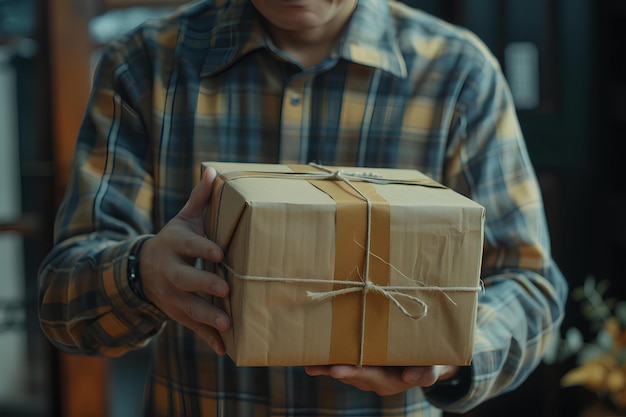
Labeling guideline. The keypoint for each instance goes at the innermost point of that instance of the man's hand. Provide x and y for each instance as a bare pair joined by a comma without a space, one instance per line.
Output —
169,276
385,380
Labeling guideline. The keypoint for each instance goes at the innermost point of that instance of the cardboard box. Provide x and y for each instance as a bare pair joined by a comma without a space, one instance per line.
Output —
303,291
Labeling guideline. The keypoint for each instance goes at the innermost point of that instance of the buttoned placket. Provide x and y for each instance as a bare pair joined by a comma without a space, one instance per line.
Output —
295,119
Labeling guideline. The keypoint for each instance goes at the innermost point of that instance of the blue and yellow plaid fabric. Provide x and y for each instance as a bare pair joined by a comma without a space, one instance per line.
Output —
401,89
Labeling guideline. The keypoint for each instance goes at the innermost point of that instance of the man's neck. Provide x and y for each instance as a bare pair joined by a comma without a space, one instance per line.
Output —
308,50
309,47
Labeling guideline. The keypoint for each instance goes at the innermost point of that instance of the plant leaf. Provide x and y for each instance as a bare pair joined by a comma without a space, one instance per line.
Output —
605,340
620,312
574,339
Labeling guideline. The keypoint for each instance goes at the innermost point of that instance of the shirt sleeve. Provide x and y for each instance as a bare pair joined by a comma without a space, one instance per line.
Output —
86,303
522,306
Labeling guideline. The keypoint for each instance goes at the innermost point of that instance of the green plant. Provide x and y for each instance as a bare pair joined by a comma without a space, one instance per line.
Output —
601,363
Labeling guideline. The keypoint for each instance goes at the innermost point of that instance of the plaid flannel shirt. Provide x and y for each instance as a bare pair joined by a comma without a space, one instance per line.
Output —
401,89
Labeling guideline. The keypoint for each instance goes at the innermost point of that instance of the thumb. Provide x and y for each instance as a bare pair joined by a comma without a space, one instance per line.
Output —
200,195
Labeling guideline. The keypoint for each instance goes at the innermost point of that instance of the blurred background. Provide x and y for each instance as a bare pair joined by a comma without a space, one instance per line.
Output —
564,59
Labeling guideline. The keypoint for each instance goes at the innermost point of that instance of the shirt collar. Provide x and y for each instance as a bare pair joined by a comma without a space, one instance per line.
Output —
369,40
237,33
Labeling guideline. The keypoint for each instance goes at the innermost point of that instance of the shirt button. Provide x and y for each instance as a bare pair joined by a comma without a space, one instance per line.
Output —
295,99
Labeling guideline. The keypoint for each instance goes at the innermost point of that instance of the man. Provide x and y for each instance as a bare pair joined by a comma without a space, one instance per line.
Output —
344,82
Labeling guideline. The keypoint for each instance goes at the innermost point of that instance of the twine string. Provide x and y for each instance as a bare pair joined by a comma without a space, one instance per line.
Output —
389,291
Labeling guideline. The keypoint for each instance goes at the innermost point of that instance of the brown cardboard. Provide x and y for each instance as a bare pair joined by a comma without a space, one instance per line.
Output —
291,240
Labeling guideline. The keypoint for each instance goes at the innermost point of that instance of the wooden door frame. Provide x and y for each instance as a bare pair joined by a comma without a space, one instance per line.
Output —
83,380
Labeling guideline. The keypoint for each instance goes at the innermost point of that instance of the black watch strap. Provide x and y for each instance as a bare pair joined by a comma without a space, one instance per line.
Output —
453,389
134,277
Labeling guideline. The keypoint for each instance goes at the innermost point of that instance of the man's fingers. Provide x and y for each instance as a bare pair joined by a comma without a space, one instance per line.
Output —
381,380
347,371
209,335
318,370
425,376
384,380
196,309
193,280
198,315
199,196
422,376
186,243
195,246
185,233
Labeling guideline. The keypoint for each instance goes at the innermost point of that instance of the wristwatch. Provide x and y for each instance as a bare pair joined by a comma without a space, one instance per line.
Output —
134,277
451,389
